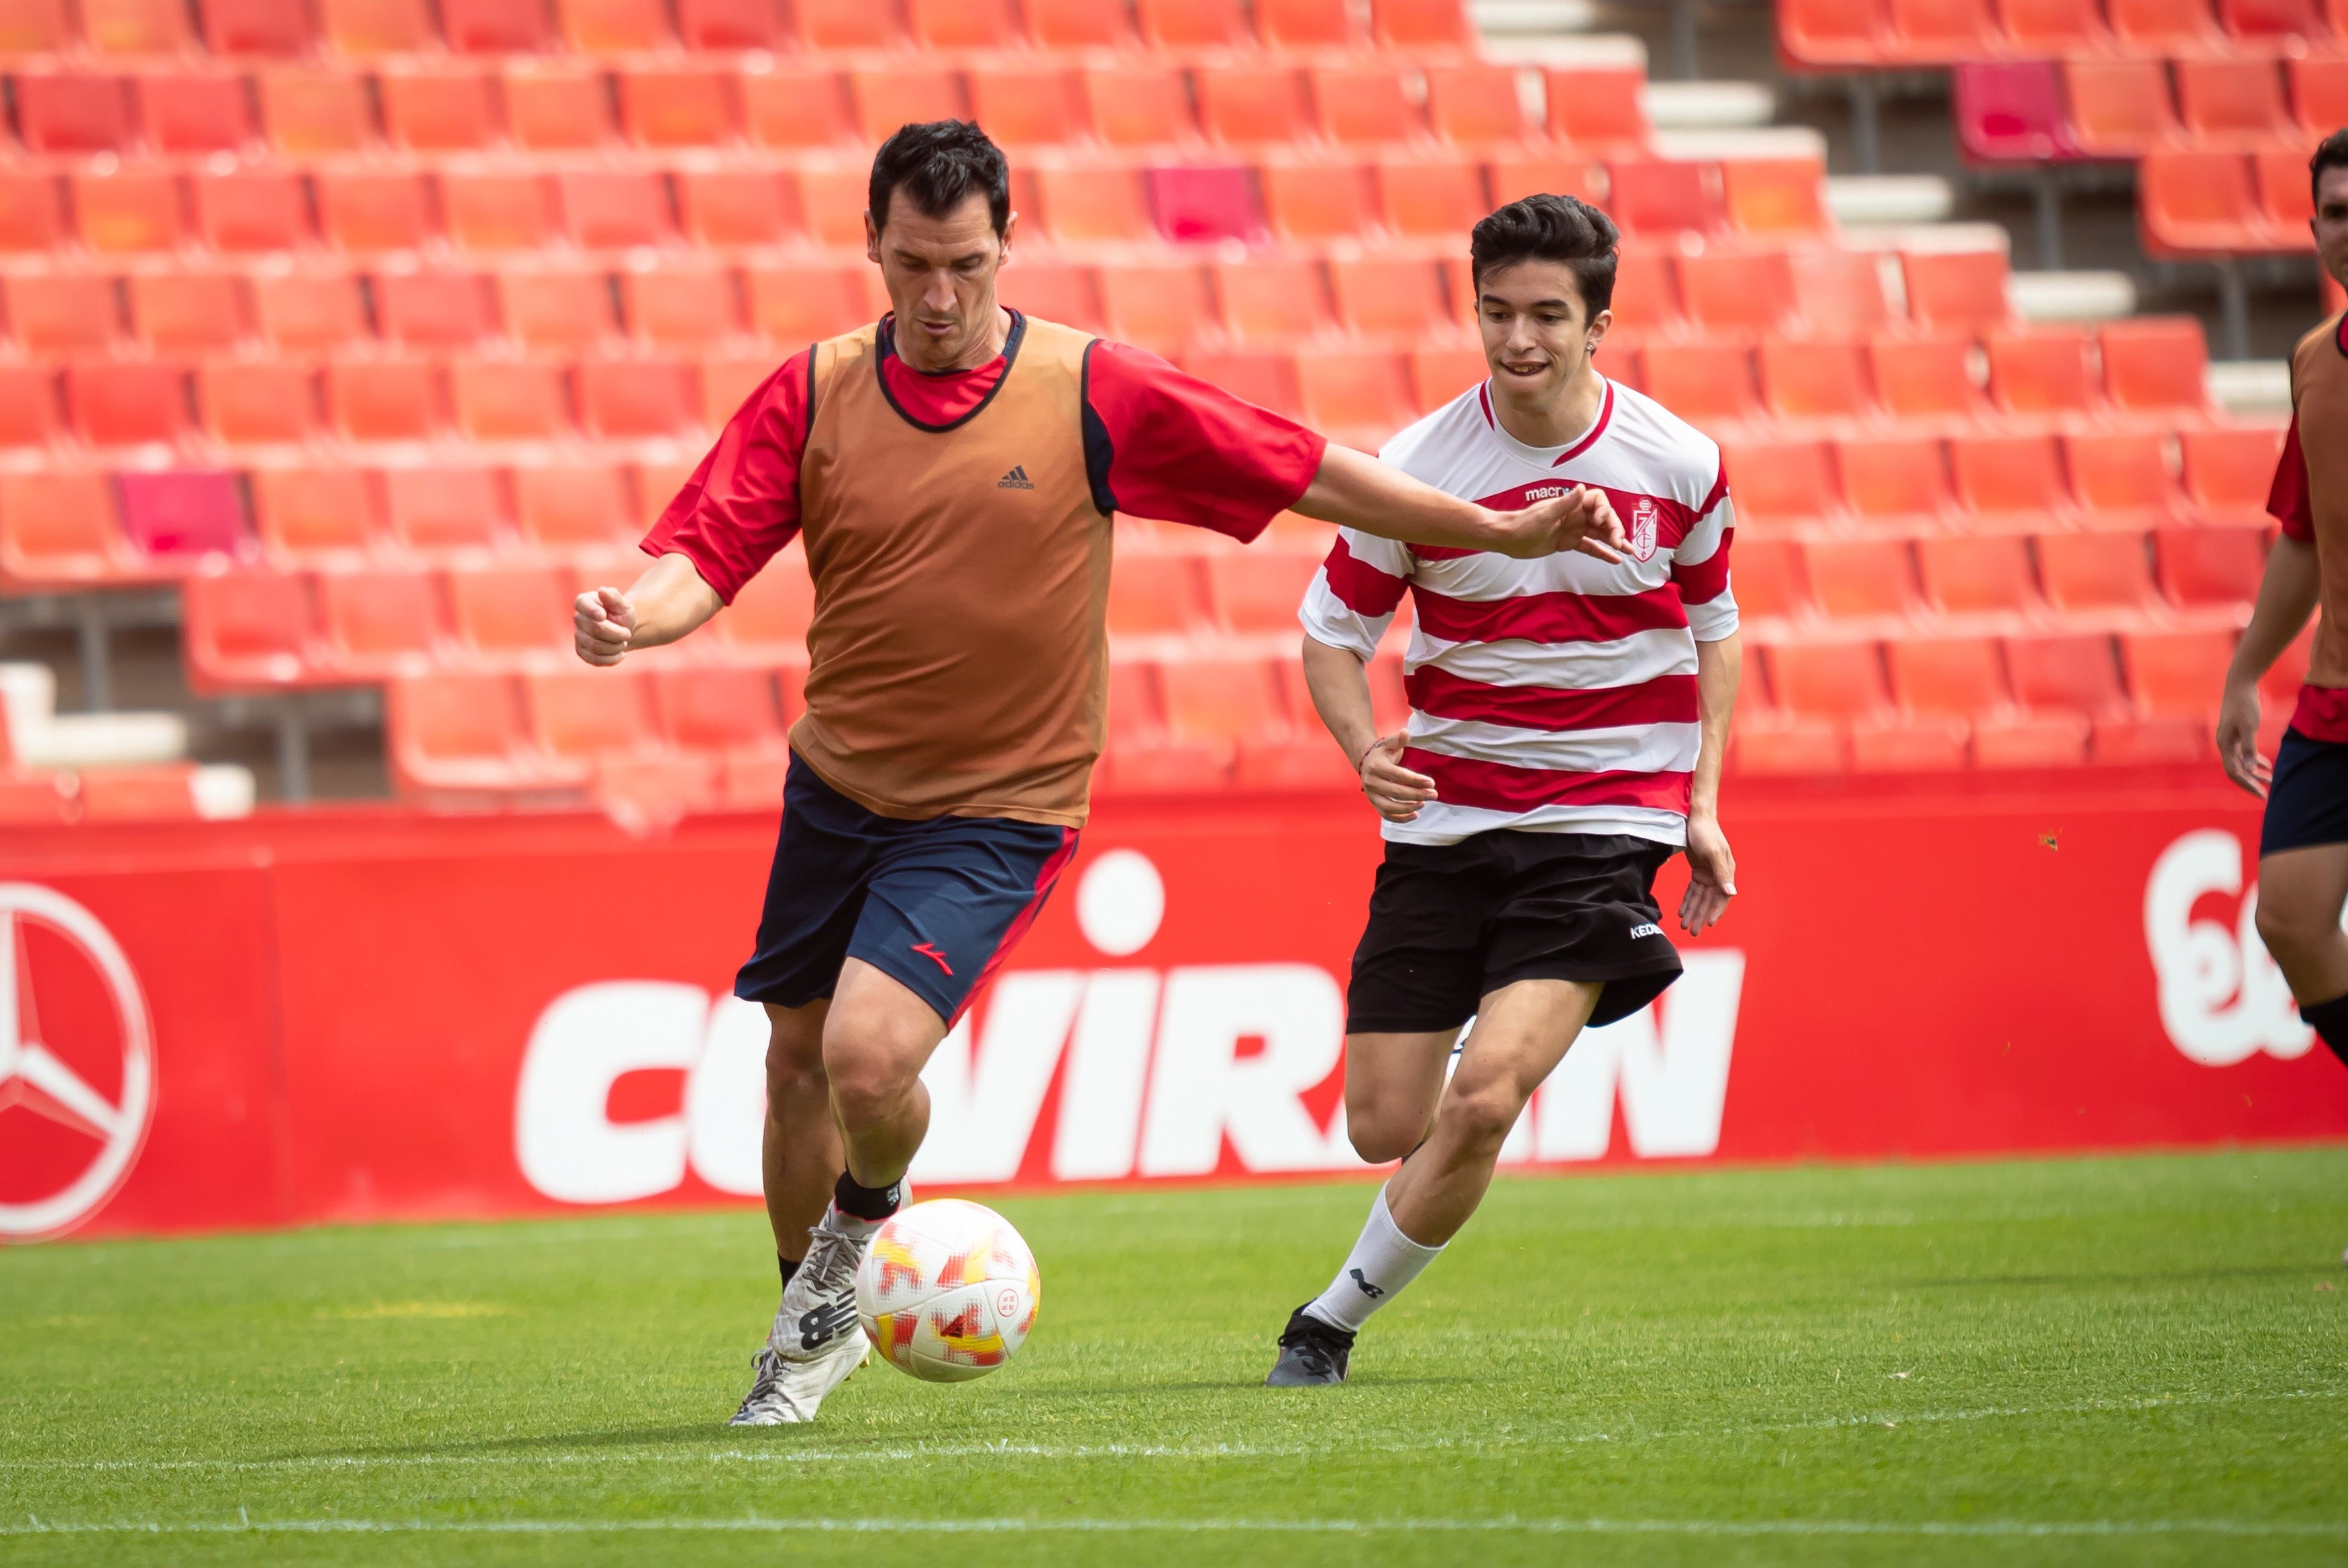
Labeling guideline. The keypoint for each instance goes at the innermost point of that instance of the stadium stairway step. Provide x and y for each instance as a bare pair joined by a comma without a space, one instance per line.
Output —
2251,387
1883,200
1582,51
2082,296
1709,106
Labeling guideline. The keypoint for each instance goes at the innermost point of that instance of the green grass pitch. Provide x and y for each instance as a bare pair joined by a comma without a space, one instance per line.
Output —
2124,1360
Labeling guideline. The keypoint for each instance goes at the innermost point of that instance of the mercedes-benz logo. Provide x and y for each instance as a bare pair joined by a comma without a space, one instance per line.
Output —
36,1078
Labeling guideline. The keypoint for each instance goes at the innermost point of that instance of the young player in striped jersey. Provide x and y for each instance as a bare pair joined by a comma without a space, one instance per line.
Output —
1565,735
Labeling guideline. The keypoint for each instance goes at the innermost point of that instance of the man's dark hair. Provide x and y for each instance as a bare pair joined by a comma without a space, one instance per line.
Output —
942,165
1549,228
2332,152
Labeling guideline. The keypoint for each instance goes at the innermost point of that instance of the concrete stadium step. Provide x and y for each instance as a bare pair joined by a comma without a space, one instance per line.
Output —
2251,386
1500,20
1875,200
1709,106
39,736
1587,51
2079,296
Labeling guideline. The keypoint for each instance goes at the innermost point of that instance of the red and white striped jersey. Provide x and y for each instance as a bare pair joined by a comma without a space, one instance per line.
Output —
1557,694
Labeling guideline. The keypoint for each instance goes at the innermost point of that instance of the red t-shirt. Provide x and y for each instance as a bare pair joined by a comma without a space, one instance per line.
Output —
1157,444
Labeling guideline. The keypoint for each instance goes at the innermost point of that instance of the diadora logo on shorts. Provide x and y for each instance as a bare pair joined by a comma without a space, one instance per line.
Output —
52,1063
1649,929
1016,479
1643,531
930,951
818,1328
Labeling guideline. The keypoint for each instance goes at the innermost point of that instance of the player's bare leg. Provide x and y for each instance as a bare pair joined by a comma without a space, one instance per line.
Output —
2301,894
1448,1138
844,1091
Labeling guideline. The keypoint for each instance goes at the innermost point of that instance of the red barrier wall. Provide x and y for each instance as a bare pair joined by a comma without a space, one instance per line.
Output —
367,1014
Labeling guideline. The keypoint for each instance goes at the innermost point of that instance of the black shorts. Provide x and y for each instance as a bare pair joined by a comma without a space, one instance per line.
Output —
1451,923
934,903
2307,803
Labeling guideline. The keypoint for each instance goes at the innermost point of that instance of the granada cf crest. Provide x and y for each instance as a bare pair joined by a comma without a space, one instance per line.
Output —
1642,529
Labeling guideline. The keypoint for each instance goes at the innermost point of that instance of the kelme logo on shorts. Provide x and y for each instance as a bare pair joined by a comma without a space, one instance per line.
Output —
1649,929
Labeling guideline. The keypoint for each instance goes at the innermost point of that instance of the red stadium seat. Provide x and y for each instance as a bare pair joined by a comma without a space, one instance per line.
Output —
1260,589
1307,25
256,26
680,302
1898,478
1475,103
1138,105
187,110
1829,33
1277,298
493,26
1439,375
380,622
1773,196
2199,203
508,399
127,210
1364,104
2053,28
2156,363
458,734
1161,305
554,105
1778,482
1021,106
1862,578
767,621
1425,198
431,107
1389,296
246,628
847,25
2105,570
49,312
799,304
1957,289
252,210
1770,584
512,613
729,716
2286,201
2177,673
308,111
554,305
2229,472
2157,28
902,94
441,508
1732,293
1157,592
1816,379
257,402
70,112
365,27
1211,25
2122,475
1926,378
1827,679
1597,108
1251,104
60,526
2231,100
1310,201
676,106
28,407
126,403
1266,377
614,209
786,106
1514,174
1354,395
614,26
1659,198
1942,30
732,206
1977,574
29,217
2287,22
497,208
2007,480
2319,94
574,504
309,516
2210,566
624,397
384,399
1085,203
1645,298
1705,384
1055,291
1223,699
2043,370
1422,24
179,309
1142,756
942,25
373,210
435,308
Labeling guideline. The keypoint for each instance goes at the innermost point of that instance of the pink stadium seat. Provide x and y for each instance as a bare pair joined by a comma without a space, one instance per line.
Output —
1958,290
307,111
2012,111
249,402
60,526
1364,104
676,106
444,509
1272,299
2106,569
127,210
379,621
1977,574
187,110
1597,108
246,628
309,516
384,399
180,517
373,210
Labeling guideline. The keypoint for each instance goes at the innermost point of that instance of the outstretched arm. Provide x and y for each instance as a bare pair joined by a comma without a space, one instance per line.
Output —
1360,492
667,601
1712,867
2287,597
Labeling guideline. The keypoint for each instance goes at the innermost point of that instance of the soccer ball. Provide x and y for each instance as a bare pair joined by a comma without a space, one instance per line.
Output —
947,1291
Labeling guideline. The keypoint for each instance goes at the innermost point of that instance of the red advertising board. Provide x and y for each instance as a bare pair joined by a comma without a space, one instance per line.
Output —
370,1014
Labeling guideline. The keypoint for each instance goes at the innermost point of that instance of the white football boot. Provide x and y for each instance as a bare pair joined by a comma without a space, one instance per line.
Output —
817,1342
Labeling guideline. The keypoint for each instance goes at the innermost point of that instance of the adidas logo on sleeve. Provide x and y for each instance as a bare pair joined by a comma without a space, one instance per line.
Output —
1015,480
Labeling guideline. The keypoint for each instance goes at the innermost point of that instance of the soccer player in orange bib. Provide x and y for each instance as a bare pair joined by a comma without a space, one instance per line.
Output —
2303,846
954,468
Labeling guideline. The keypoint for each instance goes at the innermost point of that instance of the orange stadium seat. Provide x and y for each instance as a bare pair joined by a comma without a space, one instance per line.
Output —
2231,100
187,110
614,26
1212,26
2210,566
1475,103
379,621
1266,377
29,217
1895,478
731,717
1277,298
795,303
676,106
1597,108
431,107
1780,482
446,309
1386,296
1815,379
2008,479
1977,574
1926,378
1862,580
786,106
246,628
1138,105
847,25
373,210
307,516
1773,196
1832,32
1159,305
126,403
35,27
257,26
2106,569
48,312
1156,593
2156,365
1086,202
182,309
1251,104
28,406
257,402
555,305
1055,290
1364,103
614,209
60,526
902,94
457,733
444,507
1360,396
631,398
2041,370
1770,585
1023,106
127,210
2178,674
1514,174
70,112
1729,291
767,621
493,26
1310,201
727,380
307,111
687,302
497,208
1704,383
2053,28
1260,589
2229,472
2156,28
722,25
943,24
2286,201
2121,475
511,612
137,26
1645,297
1827,679
1222,699
1439,375
384,399
2319,94
1427,198
1308,25
1942,30
1142,756
572,506
1659,198
508,399
733,206
365,27
2197,202
1422,24
554,105
1957,289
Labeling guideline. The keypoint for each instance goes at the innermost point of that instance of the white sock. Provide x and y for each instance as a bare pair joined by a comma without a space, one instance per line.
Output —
1382,1262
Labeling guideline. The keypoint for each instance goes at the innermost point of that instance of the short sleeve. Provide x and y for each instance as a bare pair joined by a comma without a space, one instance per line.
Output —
1700,567
2288,500
741,504
1162,444
1355,593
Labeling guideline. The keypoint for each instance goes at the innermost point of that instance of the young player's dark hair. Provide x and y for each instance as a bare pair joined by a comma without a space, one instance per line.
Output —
941,164
2332,152
1549,228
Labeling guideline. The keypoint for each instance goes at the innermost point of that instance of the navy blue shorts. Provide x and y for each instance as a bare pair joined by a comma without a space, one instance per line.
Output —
935,903
2307,803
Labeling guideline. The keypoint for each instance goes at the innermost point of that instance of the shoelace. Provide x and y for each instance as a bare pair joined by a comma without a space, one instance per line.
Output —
831,1260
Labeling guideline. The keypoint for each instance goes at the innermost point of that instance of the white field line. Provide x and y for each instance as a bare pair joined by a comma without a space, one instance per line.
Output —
1193,1451
1967,1528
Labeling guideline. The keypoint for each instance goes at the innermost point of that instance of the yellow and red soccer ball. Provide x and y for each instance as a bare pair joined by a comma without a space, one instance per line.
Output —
947,1291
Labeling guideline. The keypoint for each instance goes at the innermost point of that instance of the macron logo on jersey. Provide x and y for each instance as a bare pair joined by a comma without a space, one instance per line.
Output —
1015,480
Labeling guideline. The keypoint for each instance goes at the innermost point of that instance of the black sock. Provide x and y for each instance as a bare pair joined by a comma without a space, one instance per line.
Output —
790,1265
2330,1020
864,1202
